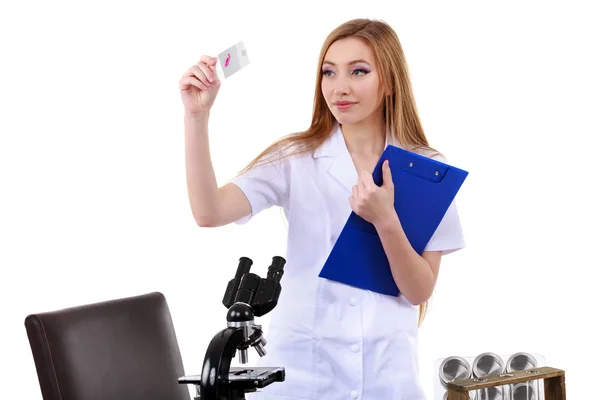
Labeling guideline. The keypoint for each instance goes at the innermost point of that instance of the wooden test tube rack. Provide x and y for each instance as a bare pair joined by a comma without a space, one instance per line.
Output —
554,383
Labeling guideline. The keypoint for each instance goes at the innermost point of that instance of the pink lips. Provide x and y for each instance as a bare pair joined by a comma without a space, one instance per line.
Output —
344,105
227,59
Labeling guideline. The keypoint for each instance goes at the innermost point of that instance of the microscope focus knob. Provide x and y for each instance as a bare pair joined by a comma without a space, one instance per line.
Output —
240,312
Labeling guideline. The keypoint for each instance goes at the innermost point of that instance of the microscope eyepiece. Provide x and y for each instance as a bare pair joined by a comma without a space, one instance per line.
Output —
275,270
243,267
234,285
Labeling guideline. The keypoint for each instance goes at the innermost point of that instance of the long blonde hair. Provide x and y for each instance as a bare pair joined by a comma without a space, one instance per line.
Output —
399,106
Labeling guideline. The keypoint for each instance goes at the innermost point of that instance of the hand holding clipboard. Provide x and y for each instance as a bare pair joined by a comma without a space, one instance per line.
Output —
423,191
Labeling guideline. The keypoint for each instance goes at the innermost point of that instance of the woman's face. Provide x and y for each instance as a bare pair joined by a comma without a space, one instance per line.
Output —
351,84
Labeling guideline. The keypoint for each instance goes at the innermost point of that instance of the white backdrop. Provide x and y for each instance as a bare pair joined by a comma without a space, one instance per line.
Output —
93,196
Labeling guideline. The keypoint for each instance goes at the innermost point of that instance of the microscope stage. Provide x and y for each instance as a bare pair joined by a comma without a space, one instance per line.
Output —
248,378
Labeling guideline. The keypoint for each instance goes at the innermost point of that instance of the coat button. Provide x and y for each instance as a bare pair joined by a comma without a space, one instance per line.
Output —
354,394
352,301
355,348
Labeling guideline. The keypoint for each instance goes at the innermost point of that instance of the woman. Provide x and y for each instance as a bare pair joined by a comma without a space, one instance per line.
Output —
335,341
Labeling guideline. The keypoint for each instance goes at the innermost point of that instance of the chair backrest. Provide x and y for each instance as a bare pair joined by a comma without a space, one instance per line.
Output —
118,349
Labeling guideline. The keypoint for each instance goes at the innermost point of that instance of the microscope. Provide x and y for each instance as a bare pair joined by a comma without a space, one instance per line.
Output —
247,296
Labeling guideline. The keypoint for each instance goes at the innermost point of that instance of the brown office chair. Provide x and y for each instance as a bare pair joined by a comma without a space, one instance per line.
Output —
123,349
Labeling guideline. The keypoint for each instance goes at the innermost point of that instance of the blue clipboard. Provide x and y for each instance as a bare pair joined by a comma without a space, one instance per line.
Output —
424,188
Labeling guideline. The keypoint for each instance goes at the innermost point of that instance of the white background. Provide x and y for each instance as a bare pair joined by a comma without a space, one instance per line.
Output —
93,194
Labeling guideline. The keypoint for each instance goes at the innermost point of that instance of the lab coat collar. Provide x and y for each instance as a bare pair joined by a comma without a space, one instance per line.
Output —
342,168
332,147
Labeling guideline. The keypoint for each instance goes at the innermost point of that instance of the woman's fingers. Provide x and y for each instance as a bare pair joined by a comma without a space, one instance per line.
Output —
197,73
208,60
188,81
210,74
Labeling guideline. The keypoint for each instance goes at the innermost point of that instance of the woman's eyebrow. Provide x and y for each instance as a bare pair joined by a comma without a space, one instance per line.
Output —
350,63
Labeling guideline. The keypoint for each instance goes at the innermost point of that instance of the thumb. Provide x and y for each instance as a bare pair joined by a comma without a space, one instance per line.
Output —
387,174
214,75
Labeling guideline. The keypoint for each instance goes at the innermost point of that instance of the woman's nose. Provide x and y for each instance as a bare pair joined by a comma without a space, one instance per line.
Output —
341,90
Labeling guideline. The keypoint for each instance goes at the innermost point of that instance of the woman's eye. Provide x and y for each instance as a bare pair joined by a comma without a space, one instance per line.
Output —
361,70
358,71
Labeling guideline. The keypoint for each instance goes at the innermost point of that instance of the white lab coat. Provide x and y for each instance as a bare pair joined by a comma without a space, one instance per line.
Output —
334,341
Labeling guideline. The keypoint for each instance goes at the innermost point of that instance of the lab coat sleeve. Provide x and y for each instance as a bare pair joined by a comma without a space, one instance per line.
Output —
265,185
449,236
